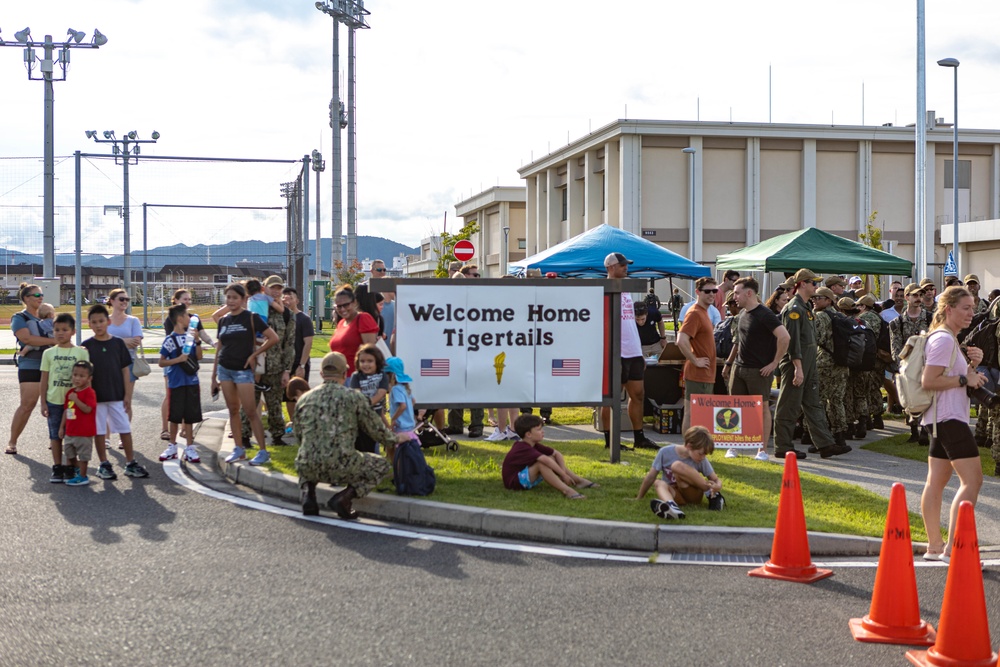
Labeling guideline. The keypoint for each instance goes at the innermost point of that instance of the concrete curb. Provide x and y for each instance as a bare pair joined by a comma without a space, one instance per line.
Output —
564,531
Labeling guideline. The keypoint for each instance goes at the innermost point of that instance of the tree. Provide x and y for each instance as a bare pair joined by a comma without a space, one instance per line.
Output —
447,253
872,237
346,274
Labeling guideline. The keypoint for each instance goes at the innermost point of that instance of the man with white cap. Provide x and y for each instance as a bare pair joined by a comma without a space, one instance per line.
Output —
633,370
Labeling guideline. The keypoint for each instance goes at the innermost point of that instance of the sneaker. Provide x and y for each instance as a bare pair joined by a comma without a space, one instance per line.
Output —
106,471
57,475
191,454
510,434
69,472
659,508
732,454
262,387
762,456
674,511
716,503
239,454
453,430
78,480
169,453
798,454
263,456
133,469
496,436
475,431
646,443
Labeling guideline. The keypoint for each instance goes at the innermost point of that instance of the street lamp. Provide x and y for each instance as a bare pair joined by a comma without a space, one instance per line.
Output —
126,150
953,63
692,240
74,41
506,250
351,13
318,165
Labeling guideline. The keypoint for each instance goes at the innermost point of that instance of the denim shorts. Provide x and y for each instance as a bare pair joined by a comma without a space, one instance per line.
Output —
242,376
55,419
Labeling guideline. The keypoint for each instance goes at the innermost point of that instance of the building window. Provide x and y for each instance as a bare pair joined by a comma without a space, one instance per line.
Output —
964,174
564,193
521,244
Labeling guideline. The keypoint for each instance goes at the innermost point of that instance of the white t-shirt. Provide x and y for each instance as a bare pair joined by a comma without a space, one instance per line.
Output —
631,347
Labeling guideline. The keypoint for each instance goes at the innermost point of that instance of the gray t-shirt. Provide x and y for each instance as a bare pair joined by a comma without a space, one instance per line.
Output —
668,455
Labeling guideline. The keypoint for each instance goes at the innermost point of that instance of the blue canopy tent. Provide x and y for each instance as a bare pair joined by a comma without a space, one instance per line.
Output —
583,257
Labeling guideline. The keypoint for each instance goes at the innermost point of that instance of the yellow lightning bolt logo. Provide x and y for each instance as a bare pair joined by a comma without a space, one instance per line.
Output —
728,417
498,365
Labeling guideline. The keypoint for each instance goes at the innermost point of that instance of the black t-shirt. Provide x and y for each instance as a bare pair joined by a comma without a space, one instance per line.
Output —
757,342
236,336
648,333
109,358
303,329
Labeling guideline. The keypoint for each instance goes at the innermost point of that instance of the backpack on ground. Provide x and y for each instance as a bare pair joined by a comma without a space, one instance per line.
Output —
982,333
410,472
850,343
724,337
912,396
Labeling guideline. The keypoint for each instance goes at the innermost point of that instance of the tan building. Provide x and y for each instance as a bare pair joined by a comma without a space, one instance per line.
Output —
425,264
501,214
753,181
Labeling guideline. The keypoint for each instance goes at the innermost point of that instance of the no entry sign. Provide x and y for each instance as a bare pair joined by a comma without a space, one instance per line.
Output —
464,250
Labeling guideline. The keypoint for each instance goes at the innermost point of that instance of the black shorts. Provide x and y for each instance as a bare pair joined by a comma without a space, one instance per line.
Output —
185,404
633,368
25,375
954,441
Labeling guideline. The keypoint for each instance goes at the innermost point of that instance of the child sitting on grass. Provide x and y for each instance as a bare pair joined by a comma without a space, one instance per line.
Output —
686,476
529,462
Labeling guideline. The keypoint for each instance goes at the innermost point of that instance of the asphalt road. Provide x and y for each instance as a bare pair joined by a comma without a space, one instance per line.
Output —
145,572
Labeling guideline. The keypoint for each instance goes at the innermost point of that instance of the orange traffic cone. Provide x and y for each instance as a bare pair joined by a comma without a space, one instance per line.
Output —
894,616
963,631
790,559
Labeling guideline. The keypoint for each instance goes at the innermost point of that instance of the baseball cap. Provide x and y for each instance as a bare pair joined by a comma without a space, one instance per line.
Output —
804,276
827,292
731,296
835,280
846,303
913,288
788,284
927,282
271,281
394,365
867,300
334,361
854,279
615,258
972,277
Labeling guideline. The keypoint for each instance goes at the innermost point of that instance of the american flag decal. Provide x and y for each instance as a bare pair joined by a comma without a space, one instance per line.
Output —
566,367
435,367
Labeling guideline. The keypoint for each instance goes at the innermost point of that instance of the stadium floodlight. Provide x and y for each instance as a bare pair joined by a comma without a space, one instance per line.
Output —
91,134
52,53
155,135
99,39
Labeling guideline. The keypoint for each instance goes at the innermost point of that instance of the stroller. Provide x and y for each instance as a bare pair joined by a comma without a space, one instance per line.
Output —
429,434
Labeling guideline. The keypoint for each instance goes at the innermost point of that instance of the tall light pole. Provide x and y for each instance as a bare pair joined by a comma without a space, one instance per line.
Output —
692,241
47,69
351,13
125,149
953,63
318,165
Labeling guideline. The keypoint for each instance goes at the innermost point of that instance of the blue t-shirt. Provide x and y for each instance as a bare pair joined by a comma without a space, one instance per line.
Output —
399,395
176,377
32,361
389,318
259,303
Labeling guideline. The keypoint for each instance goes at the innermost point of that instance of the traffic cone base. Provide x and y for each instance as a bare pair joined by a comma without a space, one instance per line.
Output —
894,617
790,559
802,575
931,658
867,630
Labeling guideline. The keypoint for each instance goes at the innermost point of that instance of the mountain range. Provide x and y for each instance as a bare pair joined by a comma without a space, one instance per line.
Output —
369,247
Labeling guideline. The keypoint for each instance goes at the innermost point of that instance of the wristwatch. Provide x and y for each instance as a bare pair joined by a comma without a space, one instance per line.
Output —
962,380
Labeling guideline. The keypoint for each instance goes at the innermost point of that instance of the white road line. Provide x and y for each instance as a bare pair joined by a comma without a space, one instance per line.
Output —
174,472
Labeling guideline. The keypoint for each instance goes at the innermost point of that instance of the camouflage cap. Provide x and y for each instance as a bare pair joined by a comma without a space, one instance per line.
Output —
835,280
927,282
825,292
846,303
913,288
867,300
972,278
805,275
334,362
788,284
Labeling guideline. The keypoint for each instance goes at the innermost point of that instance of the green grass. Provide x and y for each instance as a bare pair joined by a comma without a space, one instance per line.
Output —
897,445
471,476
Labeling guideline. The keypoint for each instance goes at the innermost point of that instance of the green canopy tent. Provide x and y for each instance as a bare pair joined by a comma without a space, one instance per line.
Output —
817,251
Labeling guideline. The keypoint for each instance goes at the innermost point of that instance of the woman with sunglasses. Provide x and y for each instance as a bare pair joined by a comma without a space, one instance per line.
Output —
124,326
24,325
354,326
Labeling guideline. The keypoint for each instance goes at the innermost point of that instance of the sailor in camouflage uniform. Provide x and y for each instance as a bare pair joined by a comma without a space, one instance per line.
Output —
984,416
327,420
856,396
833,378
278,364
799,380
873,378
912,322
972,284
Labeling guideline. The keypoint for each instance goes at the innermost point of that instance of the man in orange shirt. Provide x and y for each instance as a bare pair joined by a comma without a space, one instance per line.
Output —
696,341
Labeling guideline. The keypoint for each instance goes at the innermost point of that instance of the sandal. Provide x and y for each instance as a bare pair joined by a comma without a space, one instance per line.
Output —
11,449
576,496
589,485
164,435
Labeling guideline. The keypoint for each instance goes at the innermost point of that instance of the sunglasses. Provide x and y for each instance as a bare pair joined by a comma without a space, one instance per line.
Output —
39,295
711,291
382,270
474,275
343,305
124,298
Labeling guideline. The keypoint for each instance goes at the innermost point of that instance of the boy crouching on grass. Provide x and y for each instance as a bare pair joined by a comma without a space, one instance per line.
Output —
529,462
183,388
79,423
686,476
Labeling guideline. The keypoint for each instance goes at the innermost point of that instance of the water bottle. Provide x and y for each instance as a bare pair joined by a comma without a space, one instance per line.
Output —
191,333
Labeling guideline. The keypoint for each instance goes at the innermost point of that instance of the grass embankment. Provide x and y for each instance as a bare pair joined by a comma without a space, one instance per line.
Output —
471,476
897,445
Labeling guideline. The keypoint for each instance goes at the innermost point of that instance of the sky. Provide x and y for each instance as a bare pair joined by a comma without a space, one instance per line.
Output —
452,97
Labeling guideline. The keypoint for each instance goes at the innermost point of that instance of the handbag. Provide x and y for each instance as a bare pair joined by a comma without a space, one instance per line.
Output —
140,367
